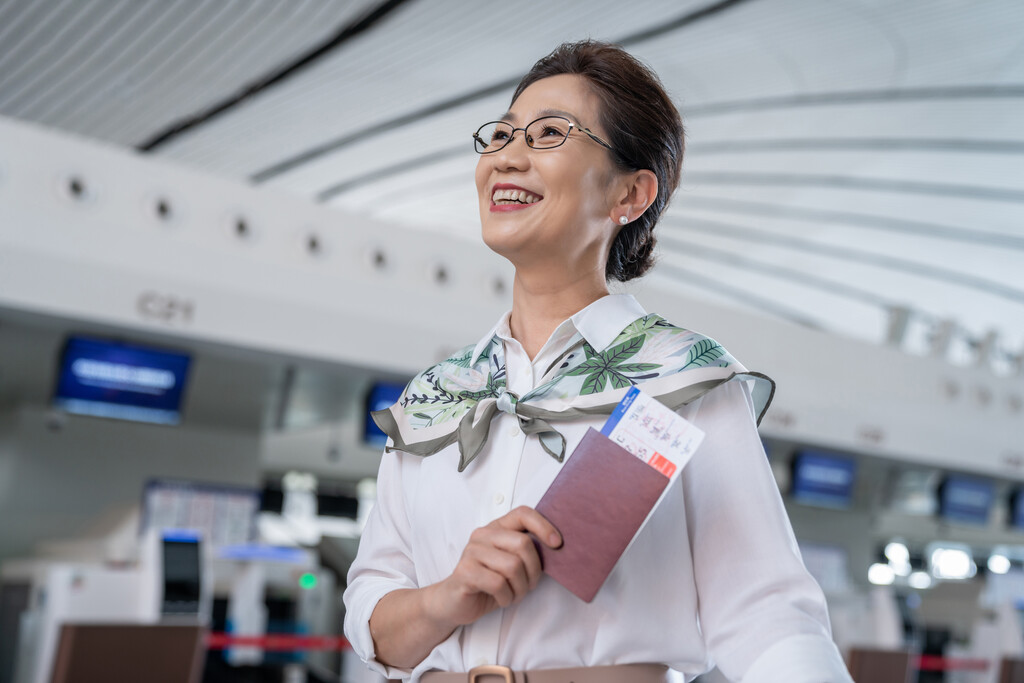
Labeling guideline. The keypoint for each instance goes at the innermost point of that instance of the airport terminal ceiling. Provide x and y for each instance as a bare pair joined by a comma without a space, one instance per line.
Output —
856,166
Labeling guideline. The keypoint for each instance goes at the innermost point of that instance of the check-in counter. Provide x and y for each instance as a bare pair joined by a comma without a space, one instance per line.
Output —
156,653
881,666
1011,671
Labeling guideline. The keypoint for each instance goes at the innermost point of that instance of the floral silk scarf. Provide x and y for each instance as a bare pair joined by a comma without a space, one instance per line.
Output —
456,399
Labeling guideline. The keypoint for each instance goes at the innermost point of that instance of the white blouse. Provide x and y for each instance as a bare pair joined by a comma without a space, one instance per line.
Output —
715,577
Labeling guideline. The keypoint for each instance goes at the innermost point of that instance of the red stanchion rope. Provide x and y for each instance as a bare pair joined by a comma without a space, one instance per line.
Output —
276,642
939,663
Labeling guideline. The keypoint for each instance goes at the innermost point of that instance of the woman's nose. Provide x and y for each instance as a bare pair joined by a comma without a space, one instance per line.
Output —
515,154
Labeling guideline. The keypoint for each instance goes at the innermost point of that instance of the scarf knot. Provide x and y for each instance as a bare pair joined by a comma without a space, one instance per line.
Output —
507,401
455,400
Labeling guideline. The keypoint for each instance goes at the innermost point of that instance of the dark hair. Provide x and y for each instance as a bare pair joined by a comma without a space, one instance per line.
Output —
642,125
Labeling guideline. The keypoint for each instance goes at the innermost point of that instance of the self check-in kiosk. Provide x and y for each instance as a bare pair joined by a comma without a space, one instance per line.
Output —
170,585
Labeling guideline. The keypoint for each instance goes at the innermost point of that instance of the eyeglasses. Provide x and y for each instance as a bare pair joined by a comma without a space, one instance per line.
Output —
546,132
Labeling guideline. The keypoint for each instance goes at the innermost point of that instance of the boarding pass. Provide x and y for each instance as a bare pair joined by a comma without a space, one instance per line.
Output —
652,432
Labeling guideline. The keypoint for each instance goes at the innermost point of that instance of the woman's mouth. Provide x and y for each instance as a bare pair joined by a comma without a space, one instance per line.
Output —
512,198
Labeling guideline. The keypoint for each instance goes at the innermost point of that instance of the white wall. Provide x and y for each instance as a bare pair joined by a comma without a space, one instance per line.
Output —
108,259
54,483
847,394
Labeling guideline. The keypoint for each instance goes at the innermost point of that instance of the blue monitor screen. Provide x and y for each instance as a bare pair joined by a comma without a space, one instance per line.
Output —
965,499
109,379
1017,502
382,395
823,479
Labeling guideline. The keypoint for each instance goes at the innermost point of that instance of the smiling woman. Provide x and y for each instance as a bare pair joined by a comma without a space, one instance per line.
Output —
564,238
448,583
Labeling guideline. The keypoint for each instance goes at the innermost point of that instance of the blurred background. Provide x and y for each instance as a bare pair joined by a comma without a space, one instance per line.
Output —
230,229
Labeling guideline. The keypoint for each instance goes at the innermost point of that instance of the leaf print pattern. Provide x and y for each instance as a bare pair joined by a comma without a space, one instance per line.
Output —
435,403
645,326
492,390
648,348
461,360
438,395
649,326
703,353
610,367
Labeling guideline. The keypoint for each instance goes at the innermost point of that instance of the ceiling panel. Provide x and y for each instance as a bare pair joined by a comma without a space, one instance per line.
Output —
843,157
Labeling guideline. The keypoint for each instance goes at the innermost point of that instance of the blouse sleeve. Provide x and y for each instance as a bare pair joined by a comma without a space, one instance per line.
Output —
383,563
763,616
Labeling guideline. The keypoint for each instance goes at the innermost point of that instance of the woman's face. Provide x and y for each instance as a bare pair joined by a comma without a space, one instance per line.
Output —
568,222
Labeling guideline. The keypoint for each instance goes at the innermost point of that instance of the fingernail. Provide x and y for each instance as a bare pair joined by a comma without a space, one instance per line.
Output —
554,540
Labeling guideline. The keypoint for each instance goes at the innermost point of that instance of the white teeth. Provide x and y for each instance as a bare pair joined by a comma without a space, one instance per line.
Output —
514,196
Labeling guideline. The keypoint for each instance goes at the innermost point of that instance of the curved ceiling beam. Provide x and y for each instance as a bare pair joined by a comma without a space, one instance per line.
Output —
349,31
857,144
403,166
363,134
878,260
860,220
841,289
841,182
846,97
743,296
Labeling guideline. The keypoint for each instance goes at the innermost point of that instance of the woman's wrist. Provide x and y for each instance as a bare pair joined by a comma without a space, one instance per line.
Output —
435,600
407,624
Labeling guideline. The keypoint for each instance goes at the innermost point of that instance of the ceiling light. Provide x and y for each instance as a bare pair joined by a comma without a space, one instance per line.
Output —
919,580
897,553
899,558
998,564
952,563
881,574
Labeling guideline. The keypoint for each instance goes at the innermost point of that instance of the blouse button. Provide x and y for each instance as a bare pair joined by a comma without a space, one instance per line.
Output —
499,499
514,432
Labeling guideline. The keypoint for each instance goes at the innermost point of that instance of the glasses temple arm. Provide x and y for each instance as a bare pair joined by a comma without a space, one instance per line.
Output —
596,139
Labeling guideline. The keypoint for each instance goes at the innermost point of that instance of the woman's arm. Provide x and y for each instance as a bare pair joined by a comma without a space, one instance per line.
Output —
763,616
498,567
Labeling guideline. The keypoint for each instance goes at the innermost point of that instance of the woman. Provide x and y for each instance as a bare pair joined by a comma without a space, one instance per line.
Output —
447,579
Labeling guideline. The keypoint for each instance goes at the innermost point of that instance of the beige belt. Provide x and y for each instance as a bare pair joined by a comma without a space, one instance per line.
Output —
620,673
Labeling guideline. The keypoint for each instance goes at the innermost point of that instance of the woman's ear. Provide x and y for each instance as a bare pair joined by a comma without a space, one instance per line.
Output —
640,192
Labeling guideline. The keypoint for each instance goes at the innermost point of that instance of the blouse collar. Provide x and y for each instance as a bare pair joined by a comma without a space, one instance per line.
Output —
599,324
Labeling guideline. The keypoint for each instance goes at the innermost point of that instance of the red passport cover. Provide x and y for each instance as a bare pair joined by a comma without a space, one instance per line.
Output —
597,501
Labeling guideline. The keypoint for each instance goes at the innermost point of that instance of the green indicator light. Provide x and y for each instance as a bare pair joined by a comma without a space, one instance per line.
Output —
307,581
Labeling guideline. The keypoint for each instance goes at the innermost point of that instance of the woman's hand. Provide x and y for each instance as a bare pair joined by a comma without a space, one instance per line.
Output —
498,567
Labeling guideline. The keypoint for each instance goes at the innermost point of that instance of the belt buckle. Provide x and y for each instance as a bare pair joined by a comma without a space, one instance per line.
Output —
491,670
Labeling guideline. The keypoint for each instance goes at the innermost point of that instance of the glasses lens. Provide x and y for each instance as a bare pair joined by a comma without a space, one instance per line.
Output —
492,136
549,131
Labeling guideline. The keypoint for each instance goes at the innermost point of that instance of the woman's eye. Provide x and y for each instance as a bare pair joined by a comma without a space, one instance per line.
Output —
551,131
499,135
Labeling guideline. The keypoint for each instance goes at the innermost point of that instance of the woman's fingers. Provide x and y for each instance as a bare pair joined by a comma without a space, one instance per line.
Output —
508,553
500,564
521,546
502,574
505,546
525,518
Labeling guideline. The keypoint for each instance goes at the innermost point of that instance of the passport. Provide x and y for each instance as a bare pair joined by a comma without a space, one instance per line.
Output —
598,502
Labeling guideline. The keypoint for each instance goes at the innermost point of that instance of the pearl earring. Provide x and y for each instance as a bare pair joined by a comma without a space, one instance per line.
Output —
623,220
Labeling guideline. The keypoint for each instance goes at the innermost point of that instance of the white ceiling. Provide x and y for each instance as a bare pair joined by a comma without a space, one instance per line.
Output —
844,157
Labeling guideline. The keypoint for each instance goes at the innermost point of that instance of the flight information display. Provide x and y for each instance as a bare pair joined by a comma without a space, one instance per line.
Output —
823,479
382,395
1017,507
224,515
966,499
110,379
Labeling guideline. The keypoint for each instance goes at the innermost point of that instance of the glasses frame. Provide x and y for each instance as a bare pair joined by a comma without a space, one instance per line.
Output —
526,138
